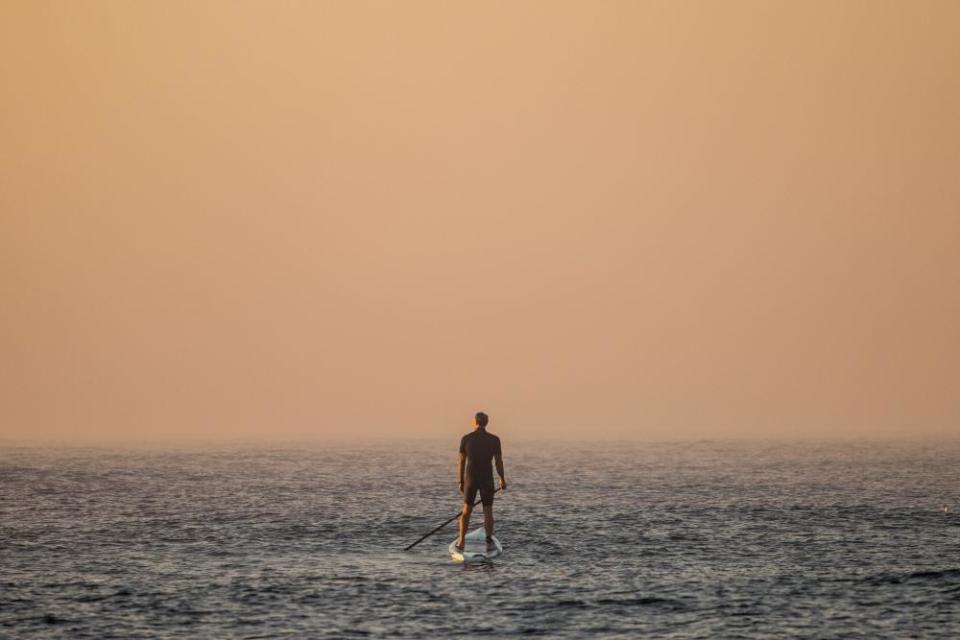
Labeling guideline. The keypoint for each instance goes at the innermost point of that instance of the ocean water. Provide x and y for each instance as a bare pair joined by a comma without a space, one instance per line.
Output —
667,540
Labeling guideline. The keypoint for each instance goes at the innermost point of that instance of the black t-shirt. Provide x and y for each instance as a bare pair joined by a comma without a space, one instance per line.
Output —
479,447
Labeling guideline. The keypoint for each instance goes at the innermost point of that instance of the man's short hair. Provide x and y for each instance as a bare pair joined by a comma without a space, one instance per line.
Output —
482,418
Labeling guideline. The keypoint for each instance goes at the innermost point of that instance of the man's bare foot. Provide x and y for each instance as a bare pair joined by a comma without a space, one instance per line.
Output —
458,545
490,545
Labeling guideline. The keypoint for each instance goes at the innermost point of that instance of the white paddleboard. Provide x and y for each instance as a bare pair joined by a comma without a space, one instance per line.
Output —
475,547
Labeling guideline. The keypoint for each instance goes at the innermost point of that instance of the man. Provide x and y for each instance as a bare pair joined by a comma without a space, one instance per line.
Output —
474,475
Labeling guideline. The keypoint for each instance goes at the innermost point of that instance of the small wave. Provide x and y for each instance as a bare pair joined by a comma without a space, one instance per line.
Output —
636,602
51,619
572,604
913,576
935,575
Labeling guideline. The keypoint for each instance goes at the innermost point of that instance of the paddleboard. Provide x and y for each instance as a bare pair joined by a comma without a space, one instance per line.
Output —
475,548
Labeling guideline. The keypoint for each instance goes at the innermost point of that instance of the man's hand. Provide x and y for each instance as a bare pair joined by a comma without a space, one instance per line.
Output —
460,487
503,484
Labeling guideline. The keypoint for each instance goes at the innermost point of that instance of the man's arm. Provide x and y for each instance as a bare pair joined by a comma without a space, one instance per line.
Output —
461,459
498,461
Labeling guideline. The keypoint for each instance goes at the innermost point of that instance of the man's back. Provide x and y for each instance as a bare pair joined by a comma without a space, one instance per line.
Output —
480,447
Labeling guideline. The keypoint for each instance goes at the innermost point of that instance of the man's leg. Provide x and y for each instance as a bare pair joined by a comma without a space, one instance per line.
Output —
486,496
464,522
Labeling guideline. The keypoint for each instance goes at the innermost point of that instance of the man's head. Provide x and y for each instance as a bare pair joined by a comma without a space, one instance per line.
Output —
480,419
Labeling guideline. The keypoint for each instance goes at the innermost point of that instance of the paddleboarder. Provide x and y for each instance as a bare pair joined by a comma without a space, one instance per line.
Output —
478,449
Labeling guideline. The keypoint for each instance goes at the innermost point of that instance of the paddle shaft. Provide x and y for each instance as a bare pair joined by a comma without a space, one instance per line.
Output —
459,513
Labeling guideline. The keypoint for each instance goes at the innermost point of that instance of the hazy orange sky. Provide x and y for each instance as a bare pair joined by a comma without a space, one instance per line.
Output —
601,219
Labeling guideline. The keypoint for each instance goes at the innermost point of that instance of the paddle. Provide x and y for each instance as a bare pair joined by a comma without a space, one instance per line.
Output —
459,513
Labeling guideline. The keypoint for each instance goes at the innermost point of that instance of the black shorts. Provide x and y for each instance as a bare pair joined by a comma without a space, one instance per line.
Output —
472,487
